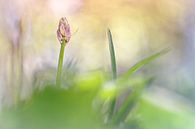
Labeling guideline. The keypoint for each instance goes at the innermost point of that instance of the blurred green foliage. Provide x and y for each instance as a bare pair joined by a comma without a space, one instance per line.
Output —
155,117
80,107
95,100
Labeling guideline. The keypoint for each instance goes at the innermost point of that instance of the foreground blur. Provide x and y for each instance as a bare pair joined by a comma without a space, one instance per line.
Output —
29,52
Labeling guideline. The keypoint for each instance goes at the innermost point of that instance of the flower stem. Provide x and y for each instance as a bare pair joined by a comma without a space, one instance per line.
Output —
60,63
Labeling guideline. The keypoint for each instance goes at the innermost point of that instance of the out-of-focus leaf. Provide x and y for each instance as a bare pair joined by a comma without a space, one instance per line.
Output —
155,116
130,100
114,69
112,89
89,81
126,106
141,63
112,55
54,108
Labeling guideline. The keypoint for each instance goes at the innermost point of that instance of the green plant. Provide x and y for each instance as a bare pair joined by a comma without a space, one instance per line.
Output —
63,34
80,106
116,116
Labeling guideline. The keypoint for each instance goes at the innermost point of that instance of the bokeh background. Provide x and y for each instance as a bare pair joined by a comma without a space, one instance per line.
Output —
28,43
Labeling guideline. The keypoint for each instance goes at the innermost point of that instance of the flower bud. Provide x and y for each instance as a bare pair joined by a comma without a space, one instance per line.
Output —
63,32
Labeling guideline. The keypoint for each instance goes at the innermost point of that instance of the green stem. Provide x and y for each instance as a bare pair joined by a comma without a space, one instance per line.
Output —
60,63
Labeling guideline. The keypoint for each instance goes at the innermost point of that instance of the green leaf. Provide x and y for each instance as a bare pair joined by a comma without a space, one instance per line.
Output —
131,100
126,107
112,55
114,69
141,63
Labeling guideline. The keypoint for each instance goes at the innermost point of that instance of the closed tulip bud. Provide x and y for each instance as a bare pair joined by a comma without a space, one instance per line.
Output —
63,32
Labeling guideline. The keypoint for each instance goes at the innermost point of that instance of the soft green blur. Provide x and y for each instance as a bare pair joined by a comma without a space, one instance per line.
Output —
161,95
80,107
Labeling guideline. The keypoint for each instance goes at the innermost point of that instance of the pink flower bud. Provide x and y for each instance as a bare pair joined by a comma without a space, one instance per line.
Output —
63,32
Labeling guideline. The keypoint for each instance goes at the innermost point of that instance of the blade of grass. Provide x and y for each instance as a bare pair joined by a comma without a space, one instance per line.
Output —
125,109
128,105
114,69
130,102
112,55
141,63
